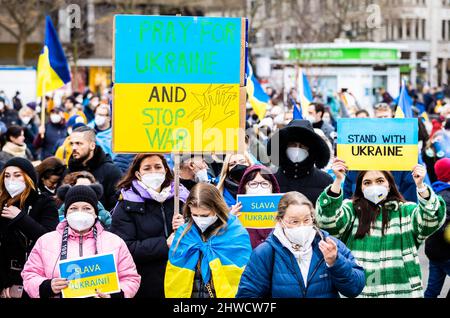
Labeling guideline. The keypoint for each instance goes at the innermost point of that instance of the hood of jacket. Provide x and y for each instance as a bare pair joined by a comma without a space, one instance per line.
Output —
138,194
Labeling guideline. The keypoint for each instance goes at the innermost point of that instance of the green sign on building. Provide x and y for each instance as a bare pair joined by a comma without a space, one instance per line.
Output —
334,54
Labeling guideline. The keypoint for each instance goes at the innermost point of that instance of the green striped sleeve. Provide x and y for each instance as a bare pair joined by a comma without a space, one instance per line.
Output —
427,216
333,214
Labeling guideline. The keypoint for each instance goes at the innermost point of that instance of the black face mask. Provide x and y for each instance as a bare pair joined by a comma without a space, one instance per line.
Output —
237,172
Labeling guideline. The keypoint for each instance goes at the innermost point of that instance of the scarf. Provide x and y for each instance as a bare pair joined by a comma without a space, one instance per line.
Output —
15,150
157,196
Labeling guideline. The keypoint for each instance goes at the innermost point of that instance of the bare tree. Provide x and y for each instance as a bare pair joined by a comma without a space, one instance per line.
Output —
21,17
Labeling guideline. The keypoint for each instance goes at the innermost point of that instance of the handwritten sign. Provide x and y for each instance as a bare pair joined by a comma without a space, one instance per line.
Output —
378,144
259,212
87,274
179,84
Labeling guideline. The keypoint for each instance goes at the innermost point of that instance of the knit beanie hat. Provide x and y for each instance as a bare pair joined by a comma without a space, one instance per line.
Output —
80,193
442,169
25,165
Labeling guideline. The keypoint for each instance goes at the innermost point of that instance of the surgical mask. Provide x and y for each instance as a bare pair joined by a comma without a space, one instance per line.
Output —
80,221
302,235
375,193
100,120
153,180
311,119
259,190
55,118
26,120
201,176
296,154
95,103
2,105
14,187
79,99
204,222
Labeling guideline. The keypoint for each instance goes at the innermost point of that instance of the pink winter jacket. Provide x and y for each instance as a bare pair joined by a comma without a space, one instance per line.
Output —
42,264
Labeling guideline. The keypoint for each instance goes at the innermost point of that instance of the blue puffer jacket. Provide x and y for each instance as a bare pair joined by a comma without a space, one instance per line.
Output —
283,279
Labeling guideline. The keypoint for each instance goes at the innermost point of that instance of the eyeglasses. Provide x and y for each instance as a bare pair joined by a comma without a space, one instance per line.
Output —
240,162
254,184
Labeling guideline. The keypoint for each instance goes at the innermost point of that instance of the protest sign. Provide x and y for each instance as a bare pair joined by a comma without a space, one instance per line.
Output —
179,84
378,144
258,211
87,274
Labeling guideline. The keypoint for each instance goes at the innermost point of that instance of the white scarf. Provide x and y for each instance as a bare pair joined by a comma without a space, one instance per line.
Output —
303,257
157,196
15,150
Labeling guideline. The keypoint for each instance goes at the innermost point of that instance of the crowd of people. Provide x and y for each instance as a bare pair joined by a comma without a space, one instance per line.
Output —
338,233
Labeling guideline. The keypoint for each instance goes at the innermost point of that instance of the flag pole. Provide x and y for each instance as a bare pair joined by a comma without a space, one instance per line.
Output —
43,106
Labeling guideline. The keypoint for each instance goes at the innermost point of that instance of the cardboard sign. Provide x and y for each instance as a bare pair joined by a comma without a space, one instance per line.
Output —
179,84
378,144
87,274
259,212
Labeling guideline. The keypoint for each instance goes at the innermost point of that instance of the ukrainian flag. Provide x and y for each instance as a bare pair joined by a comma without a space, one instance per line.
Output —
256,95
404,106
225,256
52,70
305,95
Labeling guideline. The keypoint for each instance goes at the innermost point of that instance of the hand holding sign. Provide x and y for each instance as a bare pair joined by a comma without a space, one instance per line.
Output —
236,209
419,173
339,168
59,284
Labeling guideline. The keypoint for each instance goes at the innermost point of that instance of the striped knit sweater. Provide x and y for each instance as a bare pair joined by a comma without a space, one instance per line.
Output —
390,261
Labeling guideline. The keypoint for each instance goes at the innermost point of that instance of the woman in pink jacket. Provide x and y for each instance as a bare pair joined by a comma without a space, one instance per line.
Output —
78,235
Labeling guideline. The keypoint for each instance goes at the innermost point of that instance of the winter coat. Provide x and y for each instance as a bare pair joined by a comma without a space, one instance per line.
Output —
123,161
17,236
303,178
273,272
145,224
104,171
42,265
403,180
437,248
53,132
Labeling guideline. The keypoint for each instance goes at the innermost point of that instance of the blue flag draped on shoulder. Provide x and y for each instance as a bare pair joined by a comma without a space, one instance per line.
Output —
404,106
224,257
52,70
256,95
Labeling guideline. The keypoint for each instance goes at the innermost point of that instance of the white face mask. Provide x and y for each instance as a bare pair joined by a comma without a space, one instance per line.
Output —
311,119
153,180
100,120
259,190
14,187
79,99
302,235
26,120
375,193
296,154
55,118
204,222
201,176
2,105
80,221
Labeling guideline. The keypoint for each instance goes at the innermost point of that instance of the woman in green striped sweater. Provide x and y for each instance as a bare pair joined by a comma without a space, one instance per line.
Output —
382,230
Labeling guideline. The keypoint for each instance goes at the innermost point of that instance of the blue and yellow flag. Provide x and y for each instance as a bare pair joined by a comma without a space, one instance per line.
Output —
305,95
224,257
256,95
52,70
404,107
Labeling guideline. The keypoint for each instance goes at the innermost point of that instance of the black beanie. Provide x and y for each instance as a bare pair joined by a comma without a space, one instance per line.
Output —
25,165
80,193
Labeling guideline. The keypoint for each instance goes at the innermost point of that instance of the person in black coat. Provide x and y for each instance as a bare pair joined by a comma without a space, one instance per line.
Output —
54,130
299,153
87,156
144,218
437,246
26,215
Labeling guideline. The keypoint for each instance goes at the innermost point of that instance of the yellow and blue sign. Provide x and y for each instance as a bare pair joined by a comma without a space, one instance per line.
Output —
259,211
178,84
378,144
87,274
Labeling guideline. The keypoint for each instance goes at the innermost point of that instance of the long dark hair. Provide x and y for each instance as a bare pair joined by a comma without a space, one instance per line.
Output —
126,181
366,211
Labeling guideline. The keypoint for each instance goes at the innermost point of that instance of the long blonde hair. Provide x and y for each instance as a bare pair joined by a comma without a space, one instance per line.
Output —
5,198
208,197
226,163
